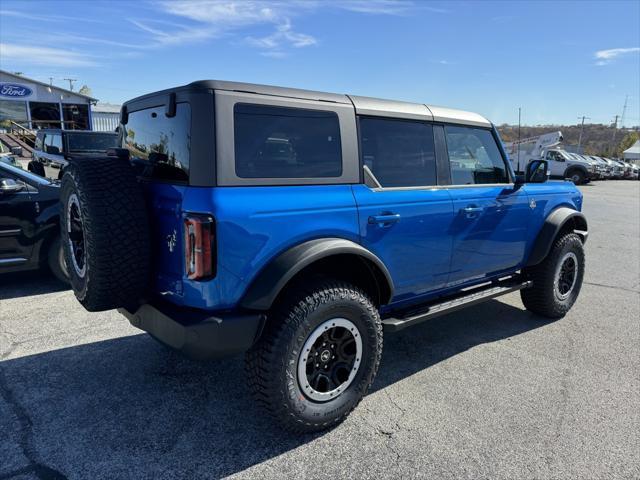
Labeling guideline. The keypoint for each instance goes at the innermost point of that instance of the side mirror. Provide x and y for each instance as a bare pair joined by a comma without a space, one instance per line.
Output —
9,185
536,171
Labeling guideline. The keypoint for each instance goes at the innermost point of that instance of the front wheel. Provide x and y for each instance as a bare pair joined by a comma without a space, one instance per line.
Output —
557,280
317,357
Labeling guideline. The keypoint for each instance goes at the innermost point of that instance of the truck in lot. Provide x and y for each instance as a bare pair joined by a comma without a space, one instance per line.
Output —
562,164
54,148
297,226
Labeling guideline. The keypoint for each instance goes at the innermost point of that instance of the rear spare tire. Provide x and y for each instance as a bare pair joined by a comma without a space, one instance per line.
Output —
105,233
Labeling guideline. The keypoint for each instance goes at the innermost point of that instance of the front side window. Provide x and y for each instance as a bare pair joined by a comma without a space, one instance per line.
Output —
53,143
161,143
400,153
474,157
283,142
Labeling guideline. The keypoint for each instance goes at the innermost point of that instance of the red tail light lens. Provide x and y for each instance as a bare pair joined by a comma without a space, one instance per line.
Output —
199,238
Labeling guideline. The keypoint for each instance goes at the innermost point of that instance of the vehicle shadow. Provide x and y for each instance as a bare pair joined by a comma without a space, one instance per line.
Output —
129,407
26,284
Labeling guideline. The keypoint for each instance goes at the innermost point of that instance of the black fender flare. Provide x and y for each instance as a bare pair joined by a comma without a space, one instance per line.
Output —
555,222
266,286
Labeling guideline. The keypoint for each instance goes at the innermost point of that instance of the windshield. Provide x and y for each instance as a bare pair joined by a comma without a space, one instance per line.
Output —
91,142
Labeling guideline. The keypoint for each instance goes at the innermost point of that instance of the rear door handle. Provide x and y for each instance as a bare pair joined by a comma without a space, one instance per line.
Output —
384,219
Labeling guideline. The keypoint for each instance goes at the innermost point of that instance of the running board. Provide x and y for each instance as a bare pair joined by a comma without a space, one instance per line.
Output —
467,299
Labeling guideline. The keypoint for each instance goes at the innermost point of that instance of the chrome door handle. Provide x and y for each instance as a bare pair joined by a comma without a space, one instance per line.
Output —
384,219
471,209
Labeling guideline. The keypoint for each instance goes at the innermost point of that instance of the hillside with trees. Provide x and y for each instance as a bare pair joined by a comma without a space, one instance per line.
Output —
596,139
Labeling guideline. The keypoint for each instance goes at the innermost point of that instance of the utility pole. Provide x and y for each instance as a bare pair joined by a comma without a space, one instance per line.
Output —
624,111
51,81
581,131
71,80
613,138
519,122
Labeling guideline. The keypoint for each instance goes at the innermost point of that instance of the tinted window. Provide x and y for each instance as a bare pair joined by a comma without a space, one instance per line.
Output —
162,143
91,142
280,142
399,153
53,140
474,157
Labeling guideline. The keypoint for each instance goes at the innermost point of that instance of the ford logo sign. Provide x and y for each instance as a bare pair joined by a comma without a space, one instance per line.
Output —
14,90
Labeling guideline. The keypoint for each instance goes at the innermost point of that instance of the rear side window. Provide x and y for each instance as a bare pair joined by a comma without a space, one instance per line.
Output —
282,142
400,153
474,157
161,143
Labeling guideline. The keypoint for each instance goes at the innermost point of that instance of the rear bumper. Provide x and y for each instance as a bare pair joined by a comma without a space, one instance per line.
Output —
197,333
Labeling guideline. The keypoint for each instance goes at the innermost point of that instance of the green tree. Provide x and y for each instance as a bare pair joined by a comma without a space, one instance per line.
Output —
84,90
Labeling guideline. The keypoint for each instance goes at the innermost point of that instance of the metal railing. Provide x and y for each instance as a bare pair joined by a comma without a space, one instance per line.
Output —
23,133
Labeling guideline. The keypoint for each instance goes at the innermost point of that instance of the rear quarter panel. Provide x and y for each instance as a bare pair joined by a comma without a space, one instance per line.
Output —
254,224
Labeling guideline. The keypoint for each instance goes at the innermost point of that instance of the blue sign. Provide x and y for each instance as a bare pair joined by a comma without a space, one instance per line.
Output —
14,90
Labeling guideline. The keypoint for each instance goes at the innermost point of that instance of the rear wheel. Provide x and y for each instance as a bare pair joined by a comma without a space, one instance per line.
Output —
577,176
557,280
317,357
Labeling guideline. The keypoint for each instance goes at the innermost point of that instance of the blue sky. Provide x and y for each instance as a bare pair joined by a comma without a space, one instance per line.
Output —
556,60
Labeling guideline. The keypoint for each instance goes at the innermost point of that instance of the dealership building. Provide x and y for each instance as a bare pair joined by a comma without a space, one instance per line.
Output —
37,105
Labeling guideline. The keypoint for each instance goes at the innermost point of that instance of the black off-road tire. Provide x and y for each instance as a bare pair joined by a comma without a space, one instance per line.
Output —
36,167
271,364
115,229
55,260
543,297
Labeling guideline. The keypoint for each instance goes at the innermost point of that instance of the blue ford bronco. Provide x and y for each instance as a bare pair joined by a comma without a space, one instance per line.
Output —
298,226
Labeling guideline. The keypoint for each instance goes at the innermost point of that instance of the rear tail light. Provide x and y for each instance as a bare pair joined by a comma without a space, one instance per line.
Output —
199,247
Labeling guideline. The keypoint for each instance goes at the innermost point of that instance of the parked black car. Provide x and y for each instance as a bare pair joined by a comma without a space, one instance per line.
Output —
29,223
54,148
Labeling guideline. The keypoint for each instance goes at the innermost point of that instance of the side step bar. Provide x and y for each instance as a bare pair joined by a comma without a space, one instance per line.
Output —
467,299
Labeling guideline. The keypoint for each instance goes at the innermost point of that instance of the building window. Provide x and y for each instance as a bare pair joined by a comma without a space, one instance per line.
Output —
45,115
13,110
76,117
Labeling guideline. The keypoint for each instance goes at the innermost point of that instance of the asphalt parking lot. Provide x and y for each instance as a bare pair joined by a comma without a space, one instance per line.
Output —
491,392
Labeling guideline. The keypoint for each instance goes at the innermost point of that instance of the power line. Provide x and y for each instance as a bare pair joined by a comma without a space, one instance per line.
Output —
71,80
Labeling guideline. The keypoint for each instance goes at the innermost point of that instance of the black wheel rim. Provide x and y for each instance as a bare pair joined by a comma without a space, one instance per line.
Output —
75,231
566,276
330,359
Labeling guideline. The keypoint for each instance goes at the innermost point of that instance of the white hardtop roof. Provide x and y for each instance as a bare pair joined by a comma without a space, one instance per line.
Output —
363,105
